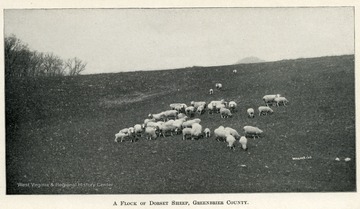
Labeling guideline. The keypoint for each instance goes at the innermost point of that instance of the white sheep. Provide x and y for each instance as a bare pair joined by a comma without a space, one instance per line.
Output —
251,112
148,120
233,132
189,123
182,115
219,106
232,106
218,85
170,114
178,125
121,136
264,110
252,131
281,100
207,132
198,104
269,99
220,133
166,128
243,142
158,116
150,133
235,71
225,113
190,111
186,132
231,141
200,110
124,130
138,129
211,91
180,107
211,108
196,131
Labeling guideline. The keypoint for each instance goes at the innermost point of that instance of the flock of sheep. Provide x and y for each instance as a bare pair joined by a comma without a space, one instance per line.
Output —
179,120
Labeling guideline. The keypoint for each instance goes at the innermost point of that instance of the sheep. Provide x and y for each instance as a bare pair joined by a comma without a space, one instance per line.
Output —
207,132
124,130
218,85
180,107
211,108
150,133
186,132
200,110
264,110
231,141
198,104
159,116
138,129
269,99
190,111
225,113
153,124
148,120
196,131
251,112
178,125
182,115
232,106
211,91
243,142
235,71
166,128
219,106
252,131
233,132
121,136
189,123
220,133
281,100
170,114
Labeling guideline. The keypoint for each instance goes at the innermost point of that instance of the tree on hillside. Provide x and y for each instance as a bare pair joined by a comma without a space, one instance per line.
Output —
16,57
75,66
53,65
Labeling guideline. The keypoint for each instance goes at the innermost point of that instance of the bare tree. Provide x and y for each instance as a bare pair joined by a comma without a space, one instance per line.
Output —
53,65
75,66
16,57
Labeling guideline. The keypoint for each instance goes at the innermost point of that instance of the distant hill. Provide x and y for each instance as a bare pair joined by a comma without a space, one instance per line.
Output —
250,60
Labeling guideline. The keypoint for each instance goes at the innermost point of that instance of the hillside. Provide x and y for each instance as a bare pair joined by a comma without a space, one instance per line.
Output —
61,130
248,60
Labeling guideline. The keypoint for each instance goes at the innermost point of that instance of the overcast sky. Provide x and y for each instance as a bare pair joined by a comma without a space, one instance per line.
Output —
114,40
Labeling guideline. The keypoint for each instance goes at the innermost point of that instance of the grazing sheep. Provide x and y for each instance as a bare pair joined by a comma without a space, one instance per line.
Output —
235,71
150,133
264,110
189,123
178,125
211,108
219,106
196,131
182,115
180,107
243,142
138,129
281,100
225,113
148,120
153,124
200,110
251,113
165,129
170,114
220,133
231,141
190,111
218,85
124,130
233,132
252,131
232,106
207,132
269,99
159,116
121,136
211,91
186,132
198,104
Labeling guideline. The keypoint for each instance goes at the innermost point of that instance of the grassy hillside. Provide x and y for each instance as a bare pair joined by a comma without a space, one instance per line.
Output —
61,130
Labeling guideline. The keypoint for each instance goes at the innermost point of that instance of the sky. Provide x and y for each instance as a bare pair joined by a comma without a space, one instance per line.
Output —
115,40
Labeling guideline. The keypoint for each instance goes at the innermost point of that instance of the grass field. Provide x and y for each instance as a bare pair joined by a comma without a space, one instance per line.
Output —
61,130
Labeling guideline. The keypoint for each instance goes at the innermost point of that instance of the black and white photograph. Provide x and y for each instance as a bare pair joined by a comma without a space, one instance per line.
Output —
179,101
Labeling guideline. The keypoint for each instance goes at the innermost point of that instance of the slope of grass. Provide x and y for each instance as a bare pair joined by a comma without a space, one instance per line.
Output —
61,130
